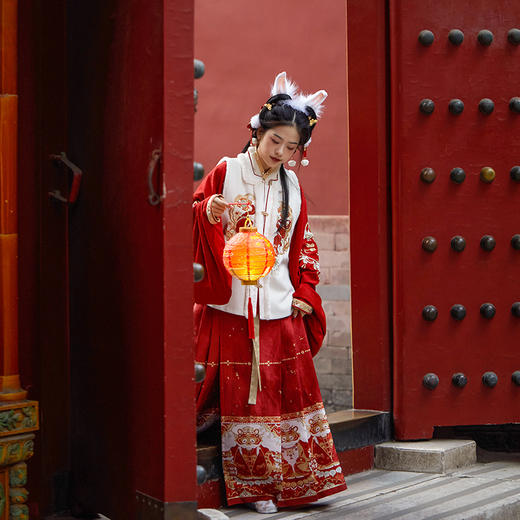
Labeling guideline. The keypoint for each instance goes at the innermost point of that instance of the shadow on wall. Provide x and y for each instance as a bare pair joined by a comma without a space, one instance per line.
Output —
334,361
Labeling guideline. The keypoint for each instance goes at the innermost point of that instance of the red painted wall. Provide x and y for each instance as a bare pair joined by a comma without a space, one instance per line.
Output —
244,45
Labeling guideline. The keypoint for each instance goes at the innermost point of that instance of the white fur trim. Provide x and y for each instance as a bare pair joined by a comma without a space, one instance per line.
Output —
303,101
297,103
255,121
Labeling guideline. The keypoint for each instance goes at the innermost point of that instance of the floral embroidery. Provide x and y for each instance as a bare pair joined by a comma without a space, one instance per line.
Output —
307,233
281,240
309,258
239,213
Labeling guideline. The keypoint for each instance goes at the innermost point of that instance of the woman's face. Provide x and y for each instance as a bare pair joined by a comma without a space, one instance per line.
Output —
277,145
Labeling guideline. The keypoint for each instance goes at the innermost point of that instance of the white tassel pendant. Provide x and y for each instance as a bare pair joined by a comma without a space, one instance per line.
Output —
305,161
253,145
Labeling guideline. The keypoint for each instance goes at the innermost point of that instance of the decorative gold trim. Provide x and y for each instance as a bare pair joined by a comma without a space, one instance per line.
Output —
229,419
301,305
228,362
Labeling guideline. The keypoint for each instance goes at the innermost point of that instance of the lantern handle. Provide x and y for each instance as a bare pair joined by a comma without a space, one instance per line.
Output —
245,205
240,203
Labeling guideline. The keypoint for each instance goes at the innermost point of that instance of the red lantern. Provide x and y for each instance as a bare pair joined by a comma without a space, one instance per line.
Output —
249,255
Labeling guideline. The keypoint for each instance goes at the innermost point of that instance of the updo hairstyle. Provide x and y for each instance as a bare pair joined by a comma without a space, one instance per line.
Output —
275,113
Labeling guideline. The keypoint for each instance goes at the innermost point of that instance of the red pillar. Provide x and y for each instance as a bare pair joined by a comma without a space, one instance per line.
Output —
369,208
179,405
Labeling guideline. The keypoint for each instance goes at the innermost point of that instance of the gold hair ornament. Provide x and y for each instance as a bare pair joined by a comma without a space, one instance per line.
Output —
268,106
312,121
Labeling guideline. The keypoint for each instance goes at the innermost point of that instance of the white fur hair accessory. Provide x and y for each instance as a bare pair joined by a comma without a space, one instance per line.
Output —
299,101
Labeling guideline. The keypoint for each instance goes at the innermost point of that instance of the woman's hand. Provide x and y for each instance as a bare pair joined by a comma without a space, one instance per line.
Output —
297,312
218,206
300,308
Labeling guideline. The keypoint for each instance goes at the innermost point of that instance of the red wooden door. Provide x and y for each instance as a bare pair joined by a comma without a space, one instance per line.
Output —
109,83
455,358
131,91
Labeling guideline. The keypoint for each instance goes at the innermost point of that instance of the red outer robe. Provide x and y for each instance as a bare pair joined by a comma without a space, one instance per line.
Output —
208,246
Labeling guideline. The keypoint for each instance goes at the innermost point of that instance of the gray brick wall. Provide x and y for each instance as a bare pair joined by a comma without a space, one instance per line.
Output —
334,361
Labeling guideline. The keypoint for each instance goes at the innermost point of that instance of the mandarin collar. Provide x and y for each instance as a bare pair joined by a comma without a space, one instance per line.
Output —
251,171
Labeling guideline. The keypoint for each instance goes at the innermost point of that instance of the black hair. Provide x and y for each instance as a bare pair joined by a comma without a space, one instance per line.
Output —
277,113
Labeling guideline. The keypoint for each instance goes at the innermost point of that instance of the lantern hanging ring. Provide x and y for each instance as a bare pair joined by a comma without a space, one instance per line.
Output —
248,225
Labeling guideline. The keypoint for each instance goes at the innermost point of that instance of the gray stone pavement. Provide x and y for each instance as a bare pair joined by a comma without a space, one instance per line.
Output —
487,490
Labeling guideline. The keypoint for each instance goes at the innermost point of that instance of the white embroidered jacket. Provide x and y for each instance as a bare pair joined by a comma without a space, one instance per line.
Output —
242,184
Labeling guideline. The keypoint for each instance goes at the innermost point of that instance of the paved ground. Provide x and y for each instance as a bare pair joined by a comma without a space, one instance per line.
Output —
488,490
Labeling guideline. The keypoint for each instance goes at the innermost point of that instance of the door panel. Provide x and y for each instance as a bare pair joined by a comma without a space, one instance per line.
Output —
117,401
442,140
115,123
43,231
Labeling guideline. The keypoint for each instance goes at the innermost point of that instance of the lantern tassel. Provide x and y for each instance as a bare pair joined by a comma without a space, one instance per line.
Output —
253,324
250,320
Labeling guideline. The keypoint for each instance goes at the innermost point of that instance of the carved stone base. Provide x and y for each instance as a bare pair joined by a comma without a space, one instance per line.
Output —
16,447
18,417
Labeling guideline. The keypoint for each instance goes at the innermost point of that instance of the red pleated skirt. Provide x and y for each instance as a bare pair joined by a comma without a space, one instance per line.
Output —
281,448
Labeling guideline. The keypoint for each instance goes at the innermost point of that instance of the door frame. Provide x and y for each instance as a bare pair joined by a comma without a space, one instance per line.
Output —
369,191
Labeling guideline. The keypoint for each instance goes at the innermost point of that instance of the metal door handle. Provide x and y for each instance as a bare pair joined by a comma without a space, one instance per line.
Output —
76,179
153,198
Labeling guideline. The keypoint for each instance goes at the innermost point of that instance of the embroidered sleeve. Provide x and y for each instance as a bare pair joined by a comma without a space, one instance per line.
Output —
309,261
212,219
299,304
305,275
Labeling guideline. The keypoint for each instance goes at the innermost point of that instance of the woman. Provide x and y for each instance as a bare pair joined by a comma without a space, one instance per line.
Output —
277,448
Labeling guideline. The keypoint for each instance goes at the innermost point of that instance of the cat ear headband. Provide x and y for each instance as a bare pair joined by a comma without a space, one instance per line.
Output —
298,101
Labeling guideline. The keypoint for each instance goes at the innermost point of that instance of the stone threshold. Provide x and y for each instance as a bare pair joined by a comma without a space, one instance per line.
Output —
431,456
352,429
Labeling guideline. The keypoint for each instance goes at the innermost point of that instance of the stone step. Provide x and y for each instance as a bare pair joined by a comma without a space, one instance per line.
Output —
353,428
432,456
488,490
